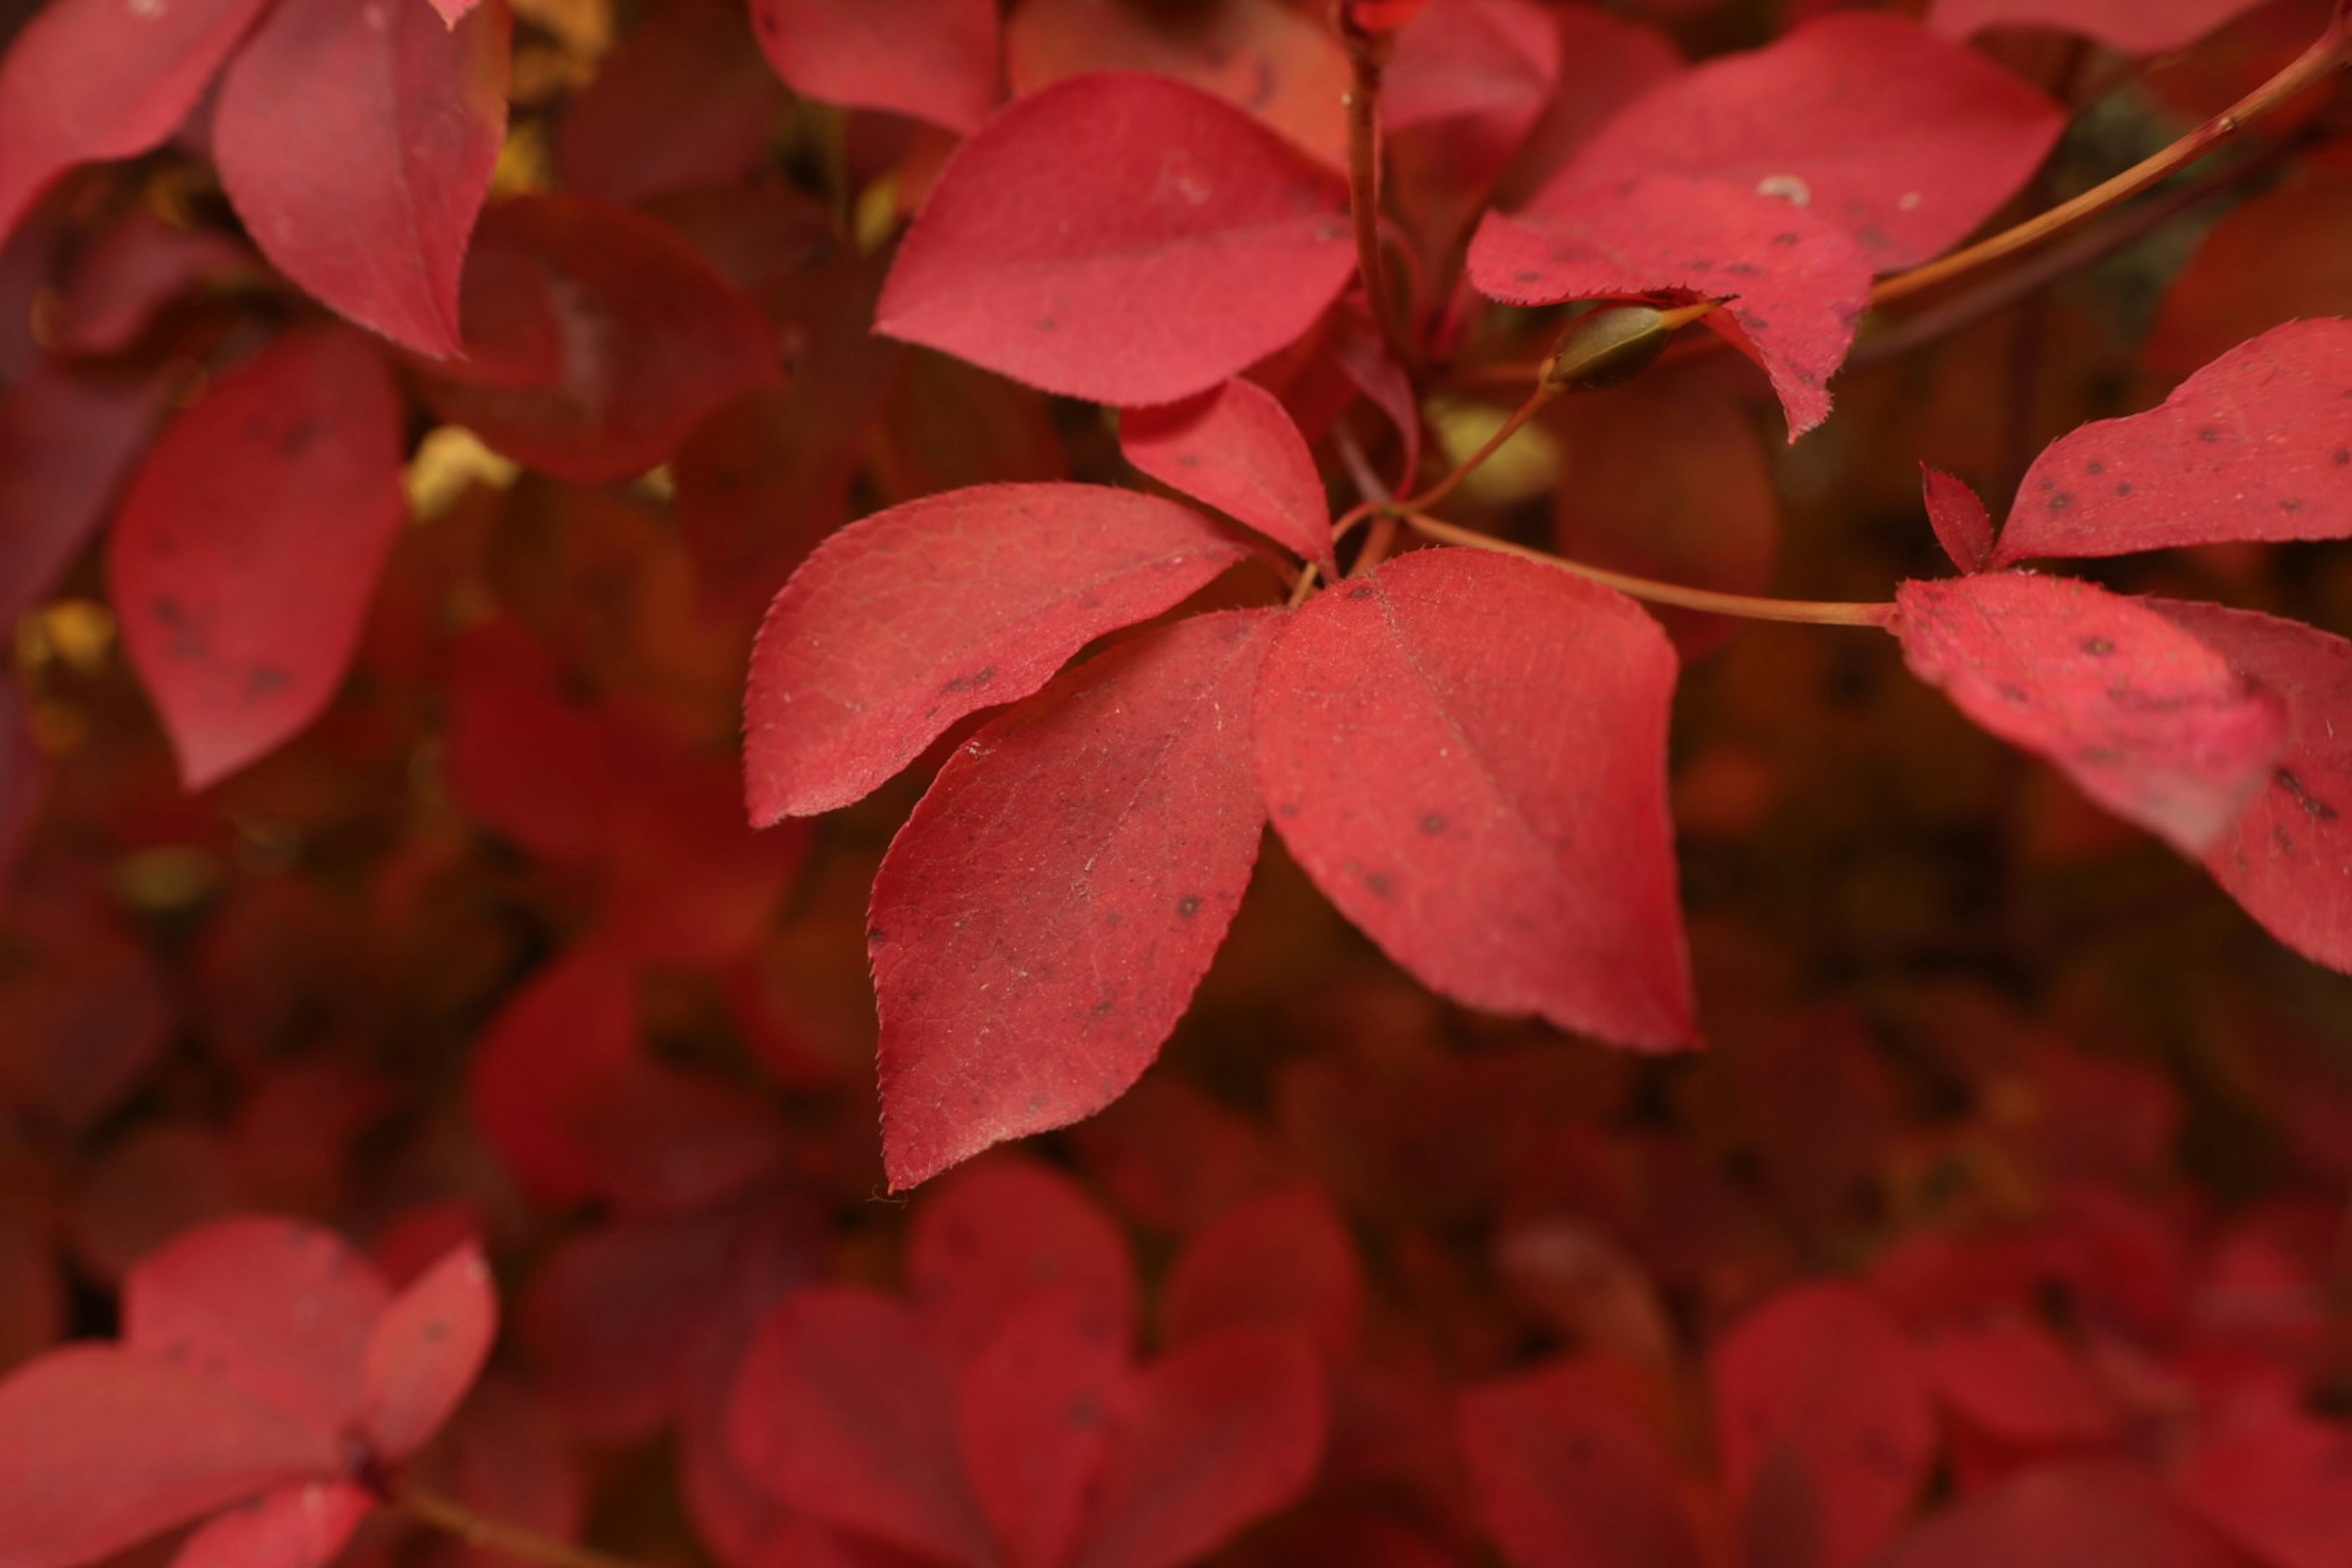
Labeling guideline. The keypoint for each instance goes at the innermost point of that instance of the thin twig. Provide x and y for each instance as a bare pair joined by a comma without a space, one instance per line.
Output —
1367,57
448,1514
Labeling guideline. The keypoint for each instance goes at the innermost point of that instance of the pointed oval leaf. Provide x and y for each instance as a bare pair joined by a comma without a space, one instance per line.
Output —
103,79
1121,237
293,1527
1236,449
1467,754
1222,1432
426,1351
1962,525
278,1311
245,552
2287,858
1819,1389
906,621
1043,919
1001,1231
935,59
1283,1260
356,142
67,439
2257,445
101,1447
2015,1381
846,1411
2146,720
1796,286
1868,121
2134,26
1568,1479
2066,1516
1033,1416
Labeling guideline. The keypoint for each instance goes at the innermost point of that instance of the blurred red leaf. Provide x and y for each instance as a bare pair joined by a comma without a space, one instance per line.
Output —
684,68
908,620
356,142
2271,1478
2257,445
936,61
426,1349
1447,803
1121,237
1235,448
2145,719
2135,28
2013,1380
1283,1260
1028,963
136,265
247,548
298,1526
1001,1231
1033,1414
2066,1516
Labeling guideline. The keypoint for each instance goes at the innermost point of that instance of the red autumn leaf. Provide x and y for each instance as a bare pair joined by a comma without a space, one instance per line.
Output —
845,1410
1215,1435
1273,59
356,142
2067,1516
1606,61
1121,237
1566,1479
136,265
2135,28
1028,963
66,437
998,1233
595,339
906,621
299,1526
1962,525
1281,1261
687,68
1467,754
2271,1478
1469,81
1796,286
101,1447
1868,121
2014,1381
245,552
1032,1419
1818,1389
1235,448
2145,719
103,79
426,1349
936,60
2257,445
1172,1156
2287,857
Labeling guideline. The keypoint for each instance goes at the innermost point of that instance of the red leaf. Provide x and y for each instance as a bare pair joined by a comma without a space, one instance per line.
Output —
2012,1380
906,621
1275,59
356,142
1236,449
1904,140
1032,1417
245,555
278,1311
103,79
1461,58
1029,963
2067,1516
129,271
595,339
846,1411
935,60
2257,445
1502,835
1962,525
1568,1479
1220,1433
2287,858
426,1351
1796,286
685,68
2145,719
1172,1155
1003,1231
293,1527
1819,1387
2135,28
66,437
2272,1479
1282,1261
1606,61
101,1447
1120,237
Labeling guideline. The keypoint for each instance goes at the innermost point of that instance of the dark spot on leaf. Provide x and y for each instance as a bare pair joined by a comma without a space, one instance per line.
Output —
1432,823
1743,268
1101,1009
1380,884
1084,1411
1188,906
2317,809
2208,434
973,682
1700,265
2123,486
2291,505
435,1331
1287,809
1047,324
2062,500
1527,276
1359,593
265,680
1753,322
1791,237
1113,916
2095,467
2344,457
2097,648
2012,693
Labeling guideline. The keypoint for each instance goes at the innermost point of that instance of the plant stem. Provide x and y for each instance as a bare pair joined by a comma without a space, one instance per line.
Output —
448,1514
2328,54
1810,612
1544,393
1367,57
